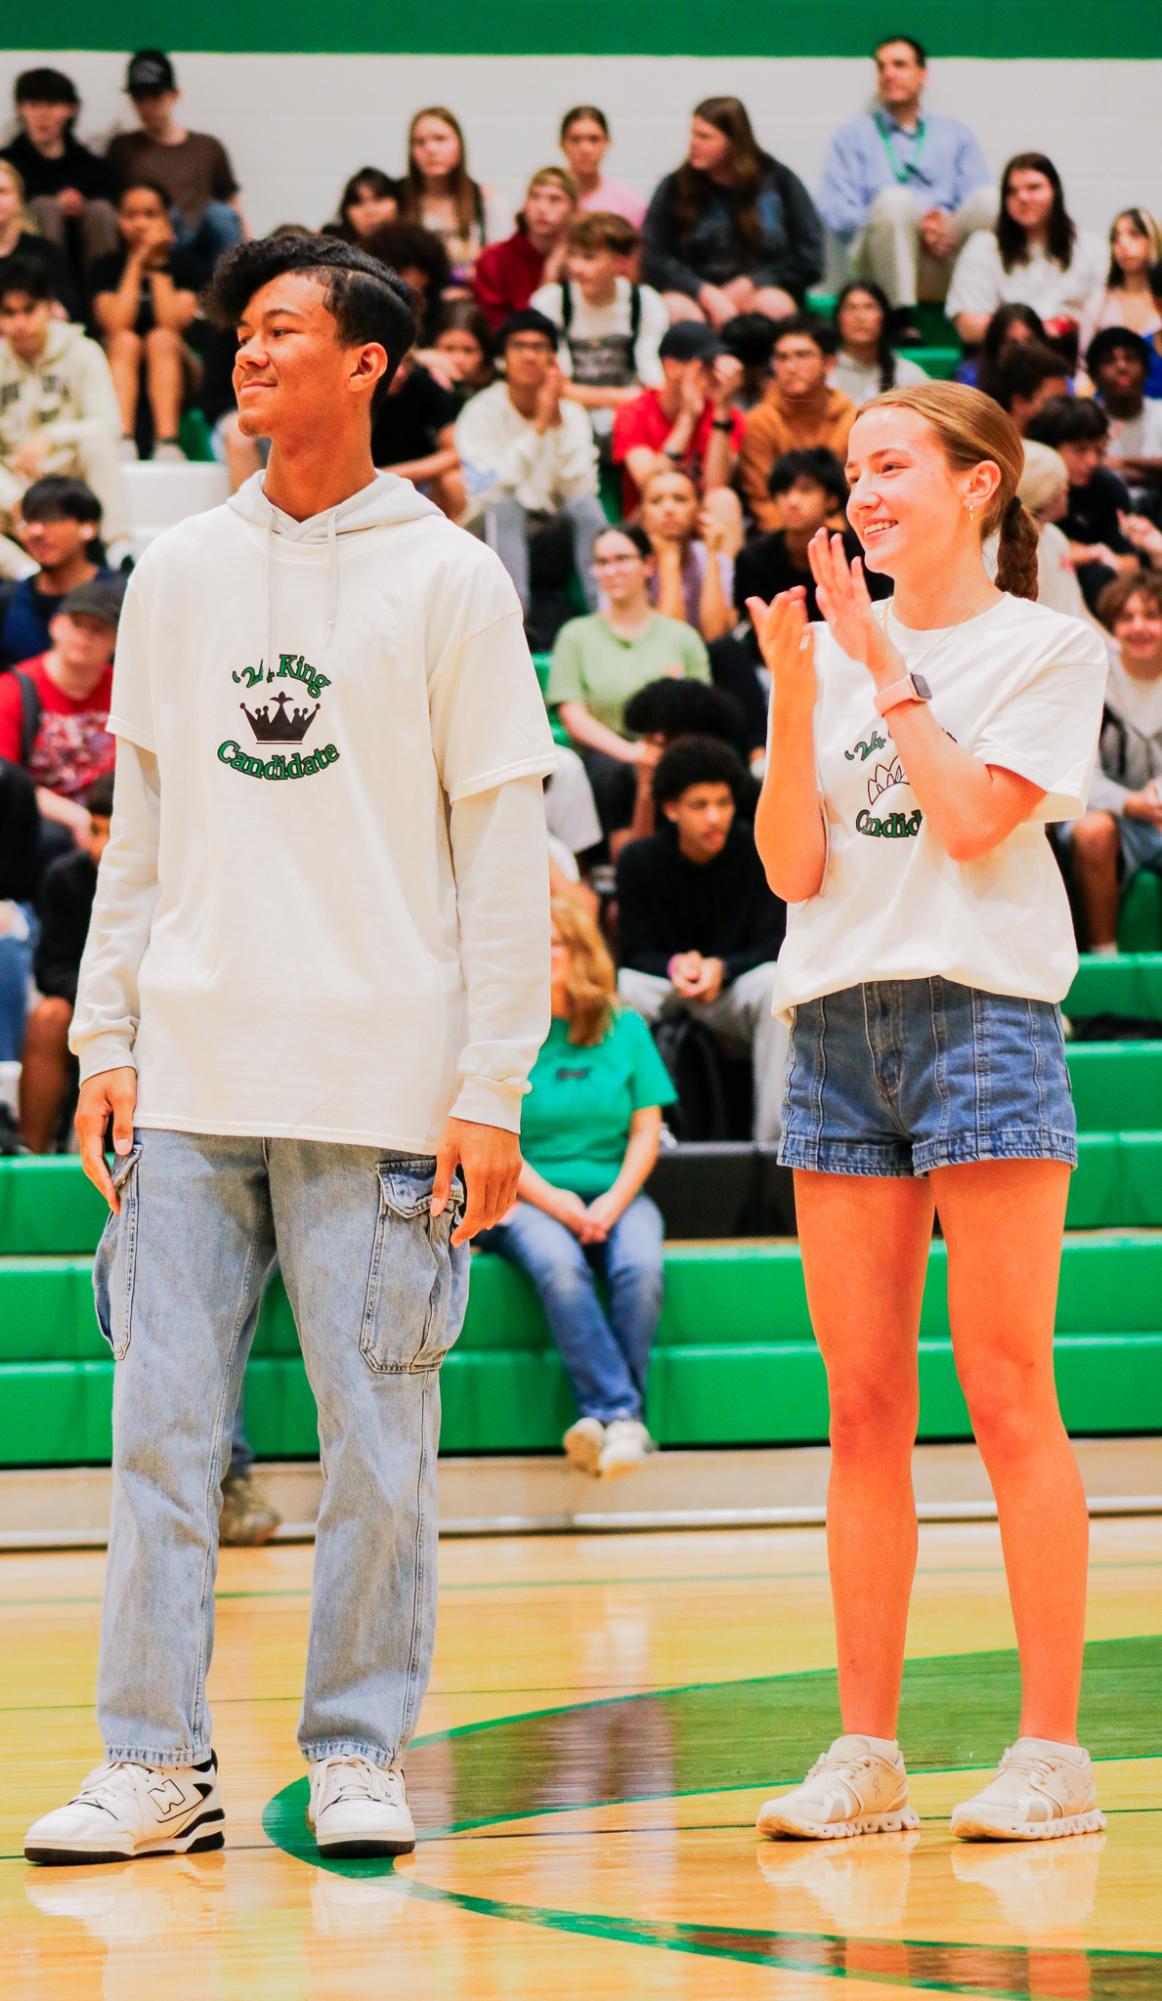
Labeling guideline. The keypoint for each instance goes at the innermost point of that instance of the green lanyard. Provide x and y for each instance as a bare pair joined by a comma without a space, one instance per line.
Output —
910,172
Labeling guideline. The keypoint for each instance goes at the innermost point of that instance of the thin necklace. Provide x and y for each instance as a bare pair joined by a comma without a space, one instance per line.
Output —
943,632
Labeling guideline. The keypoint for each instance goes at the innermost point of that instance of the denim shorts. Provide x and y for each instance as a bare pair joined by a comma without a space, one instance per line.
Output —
901,1076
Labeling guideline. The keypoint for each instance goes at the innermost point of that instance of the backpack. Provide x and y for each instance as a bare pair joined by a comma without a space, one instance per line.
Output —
29,713
690,1054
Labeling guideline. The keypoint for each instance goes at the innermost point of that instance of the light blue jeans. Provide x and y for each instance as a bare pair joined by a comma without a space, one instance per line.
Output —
378,1295
606,1358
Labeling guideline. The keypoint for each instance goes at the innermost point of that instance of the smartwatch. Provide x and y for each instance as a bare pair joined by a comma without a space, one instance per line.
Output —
909,688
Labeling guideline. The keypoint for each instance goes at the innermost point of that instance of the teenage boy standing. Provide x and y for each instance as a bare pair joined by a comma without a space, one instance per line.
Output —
315,983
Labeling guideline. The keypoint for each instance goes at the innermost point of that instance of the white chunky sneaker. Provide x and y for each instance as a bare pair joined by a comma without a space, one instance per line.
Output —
851,1789
127,1810
583,1442
358,1808
627,1444
1040,1792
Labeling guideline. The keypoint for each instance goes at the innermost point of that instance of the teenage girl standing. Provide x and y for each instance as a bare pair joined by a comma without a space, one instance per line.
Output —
916,750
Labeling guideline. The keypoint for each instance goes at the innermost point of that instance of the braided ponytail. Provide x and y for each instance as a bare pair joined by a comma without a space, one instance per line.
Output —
1017,555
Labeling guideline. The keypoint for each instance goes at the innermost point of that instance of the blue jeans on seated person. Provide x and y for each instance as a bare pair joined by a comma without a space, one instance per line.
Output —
606,1359
17,944
378,1295
217,230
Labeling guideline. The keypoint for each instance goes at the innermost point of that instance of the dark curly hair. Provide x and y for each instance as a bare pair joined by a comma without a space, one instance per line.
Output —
672,708
367,301
696,760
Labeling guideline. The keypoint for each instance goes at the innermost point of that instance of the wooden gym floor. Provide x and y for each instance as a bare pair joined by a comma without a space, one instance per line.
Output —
606,1714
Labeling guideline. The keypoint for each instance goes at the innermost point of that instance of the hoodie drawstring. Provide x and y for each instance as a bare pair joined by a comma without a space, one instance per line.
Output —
332,604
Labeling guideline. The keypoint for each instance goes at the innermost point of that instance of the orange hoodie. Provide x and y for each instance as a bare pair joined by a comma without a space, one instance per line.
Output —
776,426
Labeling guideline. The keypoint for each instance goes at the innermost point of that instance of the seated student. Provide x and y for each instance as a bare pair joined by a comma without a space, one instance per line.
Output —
1128,299
801,409
750,338
59,527
1078,428
698,927
808,490
413,435
506,274
1008,325
733,230
18,241
1034,254
530,468
658,715
690,421
601,660
66,901
590,1127
192,169
439,193
66,186
865,365
418,257
1122,830
584,141
20,870
1025,376
145,300
574,830
54,710
693,570
462,356
1118,361
58,404
1044,492
609,328
369,199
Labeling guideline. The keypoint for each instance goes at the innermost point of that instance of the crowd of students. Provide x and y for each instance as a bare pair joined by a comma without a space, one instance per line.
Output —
630,400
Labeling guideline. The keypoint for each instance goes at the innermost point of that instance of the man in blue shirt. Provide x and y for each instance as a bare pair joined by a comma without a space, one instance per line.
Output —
902,190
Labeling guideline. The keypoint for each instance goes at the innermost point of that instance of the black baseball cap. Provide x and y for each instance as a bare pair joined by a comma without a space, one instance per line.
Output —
150,73
690,340
101,597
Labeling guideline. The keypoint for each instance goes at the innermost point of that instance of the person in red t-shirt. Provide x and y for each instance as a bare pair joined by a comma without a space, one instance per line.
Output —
54,709
690,421
507,274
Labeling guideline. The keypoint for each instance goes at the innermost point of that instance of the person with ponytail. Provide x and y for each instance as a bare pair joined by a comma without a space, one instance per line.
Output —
916,750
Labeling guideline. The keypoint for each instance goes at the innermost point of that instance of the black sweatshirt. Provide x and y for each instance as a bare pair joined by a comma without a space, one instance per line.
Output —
66,905
721,908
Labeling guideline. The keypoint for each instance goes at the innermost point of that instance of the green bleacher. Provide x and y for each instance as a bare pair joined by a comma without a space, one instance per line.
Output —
735,1363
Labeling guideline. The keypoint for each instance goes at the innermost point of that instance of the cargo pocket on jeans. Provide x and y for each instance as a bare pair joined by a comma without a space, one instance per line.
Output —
417,1285
116,1261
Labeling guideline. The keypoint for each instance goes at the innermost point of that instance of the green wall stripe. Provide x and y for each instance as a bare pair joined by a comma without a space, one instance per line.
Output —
991,28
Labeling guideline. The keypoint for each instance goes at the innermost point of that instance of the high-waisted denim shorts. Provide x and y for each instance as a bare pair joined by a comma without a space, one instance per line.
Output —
901,1076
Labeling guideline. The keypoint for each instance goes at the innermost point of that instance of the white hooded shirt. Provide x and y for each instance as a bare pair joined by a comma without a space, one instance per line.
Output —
323,910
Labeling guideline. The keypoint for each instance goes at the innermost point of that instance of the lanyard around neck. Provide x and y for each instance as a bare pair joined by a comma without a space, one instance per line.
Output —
904,171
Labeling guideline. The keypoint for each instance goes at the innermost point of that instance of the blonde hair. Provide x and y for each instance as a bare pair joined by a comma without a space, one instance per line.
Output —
971,429
1045,476
591,987
27,220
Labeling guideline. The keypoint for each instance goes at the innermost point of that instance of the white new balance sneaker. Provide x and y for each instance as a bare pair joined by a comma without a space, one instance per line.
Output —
127,1810
358,1808
583,1442
851,1789
627,1444
1040,1792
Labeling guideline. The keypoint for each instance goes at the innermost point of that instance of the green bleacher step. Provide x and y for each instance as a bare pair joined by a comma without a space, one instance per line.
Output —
1131,984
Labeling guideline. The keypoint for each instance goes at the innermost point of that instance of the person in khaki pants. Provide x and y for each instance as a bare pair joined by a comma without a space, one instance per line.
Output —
903,189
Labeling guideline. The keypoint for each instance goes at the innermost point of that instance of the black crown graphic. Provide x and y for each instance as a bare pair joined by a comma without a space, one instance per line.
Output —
281,727
883,778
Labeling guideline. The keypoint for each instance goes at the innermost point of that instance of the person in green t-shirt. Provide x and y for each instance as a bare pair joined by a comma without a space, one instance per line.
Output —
599,662
589,1135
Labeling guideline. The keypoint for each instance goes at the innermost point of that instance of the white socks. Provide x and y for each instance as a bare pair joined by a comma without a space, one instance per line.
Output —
1046,1747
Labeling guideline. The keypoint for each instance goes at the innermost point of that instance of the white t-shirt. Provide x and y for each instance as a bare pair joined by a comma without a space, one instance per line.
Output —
1137,437
324,701
595,324
861,380
1018,686
980,282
